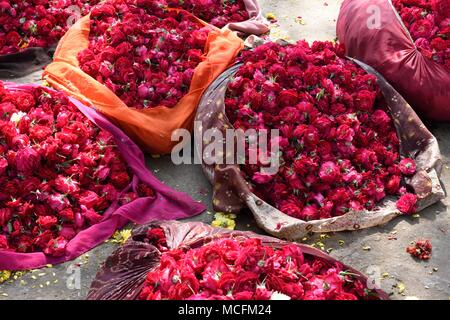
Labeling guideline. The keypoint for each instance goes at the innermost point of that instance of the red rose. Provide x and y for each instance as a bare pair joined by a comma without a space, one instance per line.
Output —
227,282
244,295
3,242
345,133
27,161
67,214
24,101
5,216
40,133
57,202
88,198
439,44
407,166
66,185
364,100
421,249
30,184
291,208
47,222
380,119
102,10
56,247
13,38
310,213
329,172
44,27
144,190
246,281
407,203
393,184
288,98
120,179
421,29
3,166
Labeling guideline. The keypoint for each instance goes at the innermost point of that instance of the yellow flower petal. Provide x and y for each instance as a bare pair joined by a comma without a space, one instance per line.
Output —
4,275
224,220
271,16
121,236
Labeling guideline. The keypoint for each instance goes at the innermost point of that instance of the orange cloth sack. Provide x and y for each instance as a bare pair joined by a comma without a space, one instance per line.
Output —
150,128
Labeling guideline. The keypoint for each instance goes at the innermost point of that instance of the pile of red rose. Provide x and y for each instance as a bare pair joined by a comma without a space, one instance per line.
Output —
245,269
37,23
58,172
339,147
216,12
420,249
145,53
428,22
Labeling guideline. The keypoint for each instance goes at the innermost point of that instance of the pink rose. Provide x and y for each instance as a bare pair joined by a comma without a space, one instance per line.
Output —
47,222
407,204
28,161
407,166
3,166
262,178
329,172
88,198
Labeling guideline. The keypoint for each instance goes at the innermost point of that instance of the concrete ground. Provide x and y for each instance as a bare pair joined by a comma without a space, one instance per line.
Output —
379,252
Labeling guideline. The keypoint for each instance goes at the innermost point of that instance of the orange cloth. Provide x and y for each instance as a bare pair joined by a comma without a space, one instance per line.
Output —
150,128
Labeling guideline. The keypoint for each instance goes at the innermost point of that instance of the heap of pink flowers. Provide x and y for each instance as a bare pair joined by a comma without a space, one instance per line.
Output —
428,22
37,23
339,147
246,269
145,53
59,173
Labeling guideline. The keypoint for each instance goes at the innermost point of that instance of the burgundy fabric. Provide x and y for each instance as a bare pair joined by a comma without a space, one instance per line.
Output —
389,49
167,205
122,275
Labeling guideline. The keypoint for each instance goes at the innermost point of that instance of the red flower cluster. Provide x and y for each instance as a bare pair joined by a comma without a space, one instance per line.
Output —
245,269
339,147
37,23
216,12
145,54
58,172
428,22
421,249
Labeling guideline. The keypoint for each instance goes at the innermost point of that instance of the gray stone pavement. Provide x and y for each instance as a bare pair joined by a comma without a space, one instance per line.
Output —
379,251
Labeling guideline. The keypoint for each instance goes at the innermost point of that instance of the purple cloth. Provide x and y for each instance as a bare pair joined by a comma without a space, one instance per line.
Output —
167,205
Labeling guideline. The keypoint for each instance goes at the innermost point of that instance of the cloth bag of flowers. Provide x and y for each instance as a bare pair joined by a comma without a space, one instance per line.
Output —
408,42
68,179
353,154
30,30
194,261
148,73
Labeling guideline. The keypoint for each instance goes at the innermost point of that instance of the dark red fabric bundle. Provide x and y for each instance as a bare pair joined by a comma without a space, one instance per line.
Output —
372,32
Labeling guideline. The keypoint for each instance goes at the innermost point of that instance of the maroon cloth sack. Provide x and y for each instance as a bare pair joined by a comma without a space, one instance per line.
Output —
373,32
